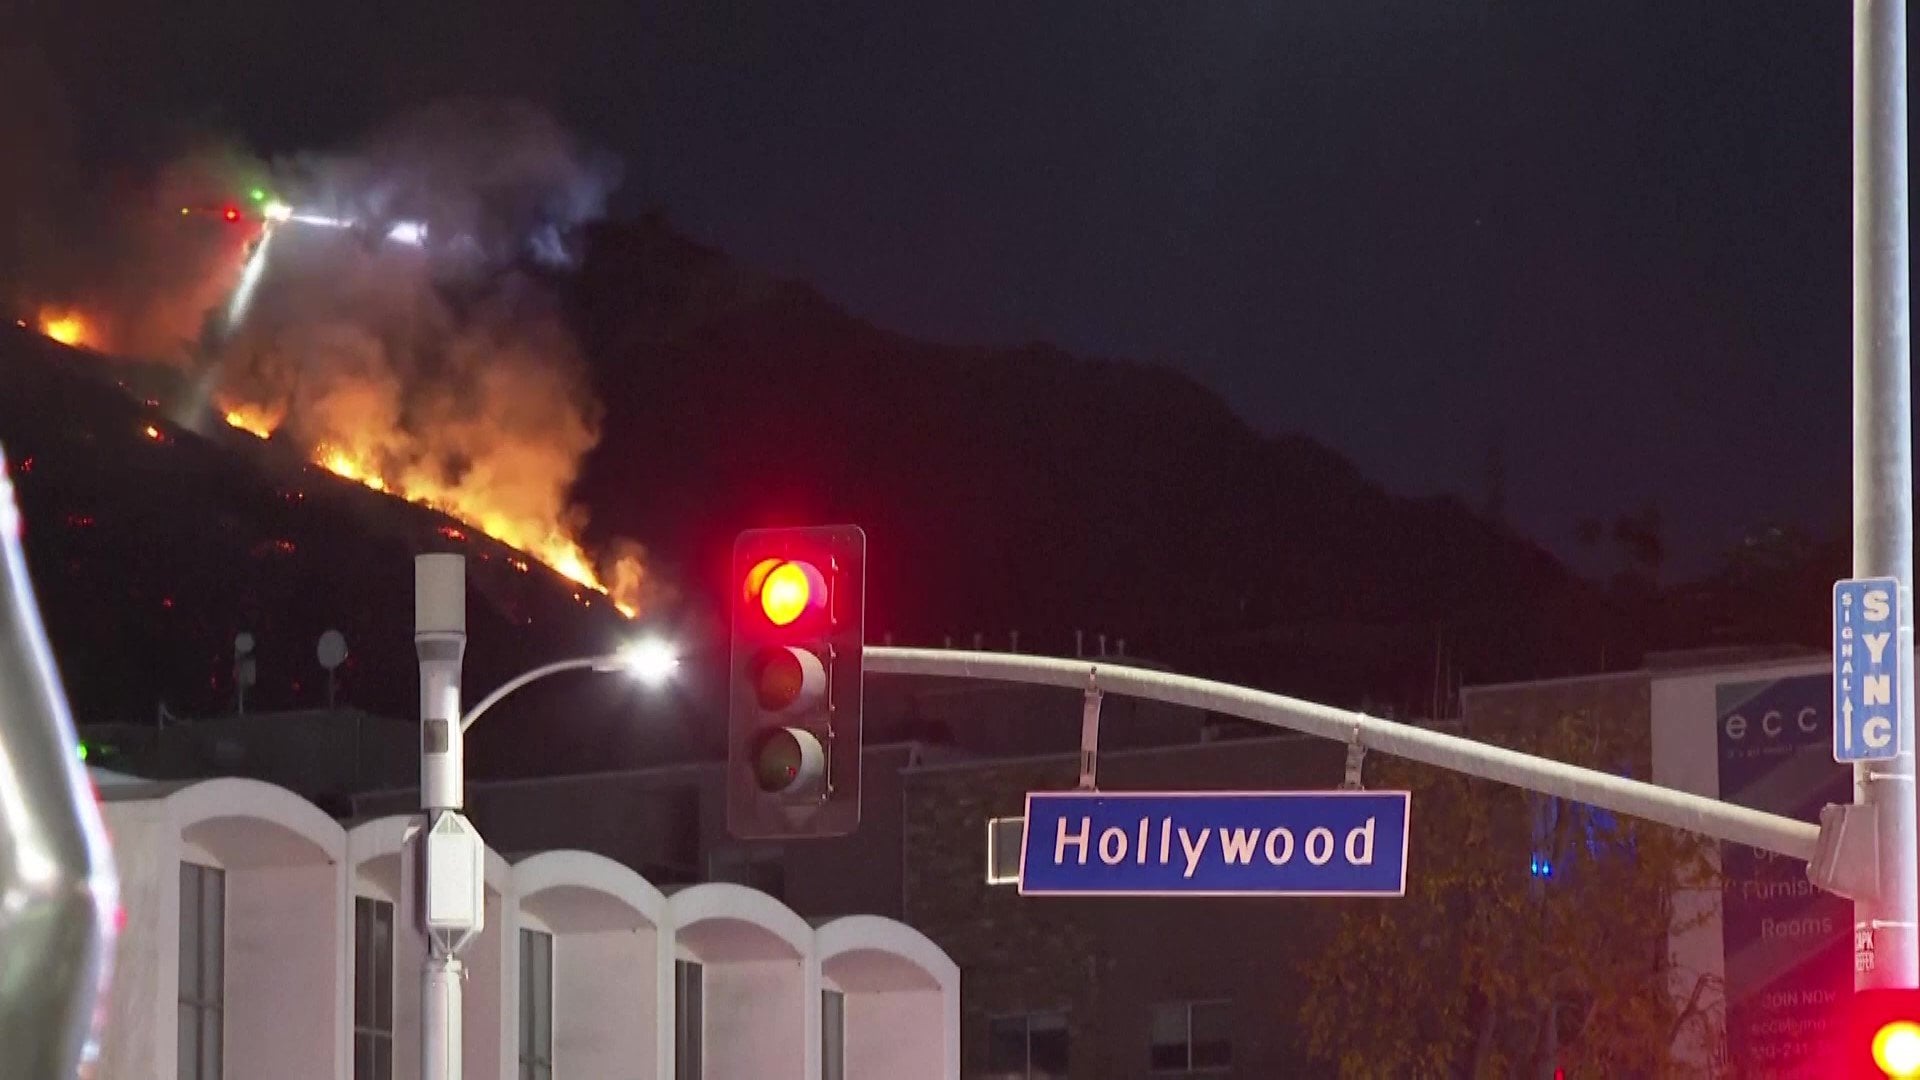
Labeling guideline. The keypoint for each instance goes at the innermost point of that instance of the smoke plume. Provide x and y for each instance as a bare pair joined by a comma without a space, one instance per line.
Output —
441,371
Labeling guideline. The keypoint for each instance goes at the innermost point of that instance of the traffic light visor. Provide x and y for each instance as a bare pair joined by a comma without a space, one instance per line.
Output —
1896,1049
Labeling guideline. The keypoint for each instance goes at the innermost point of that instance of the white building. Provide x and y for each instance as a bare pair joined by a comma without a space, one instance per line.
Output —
261,939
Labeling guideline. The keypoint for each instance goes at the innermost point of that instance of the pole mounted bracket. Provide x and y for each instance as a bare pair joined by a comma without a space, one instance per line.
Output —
1846,858
1090,733
1356,759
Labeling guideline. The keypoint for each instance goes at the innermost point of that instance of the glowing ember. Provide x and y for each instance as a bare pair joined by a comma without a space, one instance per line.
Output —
65,327
255,421
548,543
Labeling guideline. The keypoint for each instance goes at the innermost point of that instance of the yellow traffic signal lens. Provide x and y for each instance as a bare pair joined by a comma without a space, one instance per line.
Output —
780,678
1896,1049
788,591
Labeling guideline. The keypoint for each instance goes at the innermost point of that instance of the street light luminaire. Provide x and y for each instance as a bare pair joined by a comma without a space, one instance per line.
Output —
652,661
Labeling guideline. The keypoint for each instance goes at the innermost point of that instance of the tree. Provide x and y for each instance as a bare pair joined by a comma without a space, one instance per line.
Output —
1534,934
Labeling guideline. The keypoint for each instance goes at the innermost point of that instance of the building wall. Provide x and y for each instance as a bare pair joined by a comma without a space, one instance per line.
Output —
1713,736
286,928
316,753
894,1035
757,1019
670,825
1680,711
1624,701
288,988
1108,962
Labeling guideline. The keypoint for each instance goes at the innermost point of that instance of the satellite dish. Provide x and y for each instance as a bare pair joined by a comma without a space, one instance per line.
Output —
333,649
245,671
333,653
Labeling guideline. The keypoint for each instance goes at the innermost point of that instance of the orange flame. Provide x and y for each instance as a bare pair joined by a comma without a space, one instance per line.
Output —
254,420
550,543
66,327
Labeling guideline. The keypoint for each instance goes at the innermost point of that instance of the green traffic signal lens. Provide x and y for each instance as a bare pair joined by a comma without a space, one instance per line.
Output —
777,761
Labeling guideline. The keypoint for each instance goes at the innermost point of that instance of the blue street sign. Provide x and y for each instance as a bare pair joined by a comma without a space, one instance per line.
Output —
1293,843
1869,669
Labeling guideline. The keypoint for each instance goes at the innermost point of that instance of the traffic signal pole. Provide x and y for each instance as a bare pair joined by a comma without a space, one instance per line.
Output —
1885,953
1695,813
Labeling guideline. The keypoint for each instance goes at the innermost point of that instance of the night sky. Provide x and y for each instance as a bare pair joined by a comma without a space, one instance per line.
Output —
1613,238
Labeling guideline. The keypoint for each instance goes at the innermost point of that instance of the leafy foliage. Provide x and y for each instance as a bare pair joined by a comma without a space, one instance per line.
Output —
1534,934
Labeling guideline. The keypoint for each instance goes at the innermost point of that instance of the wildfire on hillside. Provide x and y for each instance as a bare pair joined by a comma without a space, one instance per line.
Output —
65,327
255,421
441,370
469,501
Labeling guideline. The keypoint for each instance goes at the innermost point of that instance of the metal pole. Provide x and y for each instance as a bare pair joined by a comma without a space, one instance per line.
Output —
1885,953
440,639
1695,813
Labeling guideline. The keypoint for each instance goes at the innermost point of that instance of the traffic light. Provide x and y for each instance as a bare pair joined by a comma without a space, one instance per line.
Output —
1883,1036
793,745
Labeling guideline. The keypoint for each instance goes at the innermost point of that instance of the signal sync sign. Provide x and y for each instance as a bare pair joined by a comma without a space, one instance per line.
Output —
1293,843
1869,670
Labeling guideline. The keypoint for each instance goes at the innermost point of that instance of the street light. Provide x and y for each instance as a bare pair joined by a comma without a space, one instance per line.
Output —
452,897
651,661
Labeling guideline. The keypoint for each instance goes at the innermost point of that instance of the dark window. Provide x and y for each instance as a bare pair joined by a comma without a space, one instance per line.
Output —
1028,1047
833,1035
372,989
689,1021
203,976
536,1005
1191,1038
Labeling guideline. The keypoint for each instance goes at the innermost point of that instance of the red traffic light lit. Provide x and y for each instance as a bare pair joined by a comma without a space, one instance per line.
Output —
231,213
794,703
1896,1049
786,589
1882,1036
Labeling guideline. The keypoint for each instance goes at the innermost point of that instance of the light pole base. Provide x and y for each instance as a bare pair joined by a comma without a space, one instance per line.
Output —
440,1019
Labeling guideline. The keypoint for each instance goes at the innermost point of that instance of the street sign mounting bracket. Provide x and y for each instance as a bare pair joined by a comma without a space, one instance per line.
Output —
1090,733
1356,761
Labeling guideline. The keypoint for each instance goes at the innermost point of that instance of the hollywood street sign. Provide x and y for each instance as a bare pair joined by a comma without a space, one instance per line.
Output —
1294,843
